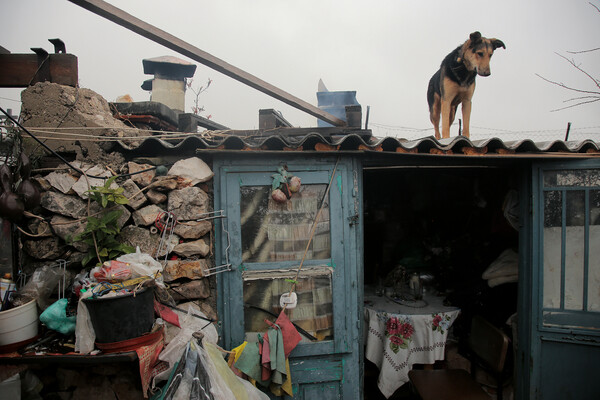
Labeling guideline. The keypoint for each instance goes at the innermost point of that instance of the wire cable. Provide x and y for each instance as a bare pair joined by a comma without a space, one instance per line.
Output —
17,123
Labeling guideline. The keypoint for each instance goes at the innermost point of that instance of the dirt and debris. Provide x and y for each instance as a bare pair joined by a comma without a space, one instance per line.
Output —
75,122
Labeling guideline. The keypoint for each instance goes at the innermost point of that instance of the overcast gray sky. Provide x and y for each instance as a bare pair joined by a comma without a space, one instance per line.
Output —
385,50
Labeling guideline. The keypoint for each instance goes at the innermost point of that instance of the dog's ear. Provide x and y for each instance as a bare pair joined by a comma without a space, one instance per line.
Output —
475,37
497,43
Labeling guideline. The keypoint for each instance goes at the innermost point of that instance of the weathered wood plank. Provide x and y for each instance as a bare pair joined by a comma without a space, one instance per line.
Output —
157,35
21,70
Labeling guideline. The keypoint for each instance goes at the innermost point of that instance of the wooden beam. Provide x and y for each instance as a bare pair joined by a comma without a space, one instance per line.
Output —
22,70
159,36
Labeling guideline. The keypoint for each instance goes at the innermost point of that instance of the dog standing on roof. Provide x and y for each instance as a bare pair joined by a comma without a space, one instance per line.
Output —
454,82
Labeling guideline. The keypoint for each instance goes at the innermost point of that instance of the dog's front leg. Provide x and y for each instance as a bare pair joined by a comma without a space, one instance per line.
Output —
466,113
446,116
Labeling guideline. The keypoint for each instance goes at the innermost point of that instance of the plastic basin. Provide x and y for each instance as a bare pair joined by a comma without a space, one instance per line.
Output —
18,324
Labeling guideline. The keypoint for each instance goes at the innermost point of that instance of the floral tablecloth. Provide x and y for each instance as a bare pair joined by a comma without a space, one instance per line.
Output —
398,336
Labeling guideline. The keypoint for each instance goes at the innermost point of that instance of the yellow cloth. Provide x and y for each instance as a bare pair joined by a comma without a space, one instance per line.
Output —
238,351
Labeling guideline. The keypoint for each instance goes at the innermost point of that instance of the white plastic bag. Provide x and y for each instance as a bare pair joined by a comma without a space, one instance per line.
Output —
142,264
85,336
177,345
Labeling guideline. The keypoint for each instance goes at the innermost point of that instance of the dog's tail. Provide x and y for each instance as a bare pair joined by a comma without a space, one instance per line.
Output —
433,88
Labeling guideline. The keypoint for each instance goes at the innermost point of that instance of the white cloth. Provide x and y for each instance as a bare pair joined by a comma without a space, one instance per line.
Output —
418,338
507,264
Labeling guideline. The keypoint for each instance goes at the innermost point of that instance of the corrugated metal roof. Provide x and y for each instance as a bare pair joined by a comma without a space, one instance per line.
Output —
317,140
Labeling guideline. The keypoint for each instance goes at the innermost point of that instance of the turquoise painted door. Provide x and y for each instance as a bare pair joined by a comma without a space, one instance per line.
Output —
565,341
267,241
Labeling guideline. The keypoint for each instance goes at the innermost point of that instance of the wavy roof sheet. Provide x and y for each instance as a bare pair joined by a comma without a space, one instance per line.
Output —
358,140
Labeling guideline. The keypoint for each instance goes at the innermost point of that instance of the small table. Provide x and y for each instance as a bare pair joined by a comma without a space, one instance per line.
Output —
398,336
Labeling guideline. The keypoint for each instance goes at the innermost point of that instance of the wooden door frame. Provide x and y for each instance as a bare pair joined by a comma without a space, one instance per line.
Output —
349,183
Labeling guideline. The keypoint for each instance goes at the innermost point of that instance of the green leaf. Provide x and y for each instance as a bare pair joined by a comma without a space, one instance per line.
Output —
111,216
121,200
93,224
277,181
109,181
104,202
114,254
87,258
126,249
103,252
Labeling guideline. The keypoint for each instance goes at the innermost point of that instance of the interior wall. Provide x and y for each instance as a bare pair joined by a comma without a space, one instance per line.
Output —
447,223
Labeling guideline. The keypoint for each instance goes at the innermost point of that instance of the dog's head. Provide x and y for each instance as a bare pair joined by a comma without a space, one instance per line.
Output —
477,52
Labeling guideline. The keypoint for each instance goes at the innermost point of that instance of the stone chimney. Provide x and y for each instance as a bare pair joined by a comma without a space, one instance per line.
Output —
168,85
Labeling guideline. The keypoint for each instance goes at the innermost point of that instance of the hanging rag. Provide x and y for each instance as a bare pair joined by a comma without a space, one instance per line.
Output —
286,387
291,337
265,358
236,352
277,355
249,363
281,377
267,361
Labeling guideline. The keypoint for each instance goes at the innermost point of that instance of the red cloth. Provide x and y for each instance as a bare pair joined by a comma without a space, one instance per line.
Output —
265,359
291,337
148,356
166,313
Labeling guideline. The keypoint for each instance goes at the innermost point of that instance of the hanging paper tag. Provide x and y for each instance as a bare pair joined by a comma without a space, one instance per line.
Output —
288,300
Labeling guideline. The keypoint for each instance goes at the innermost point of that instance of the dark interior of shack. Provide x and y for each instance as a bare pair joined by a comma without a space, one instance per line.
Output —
448,225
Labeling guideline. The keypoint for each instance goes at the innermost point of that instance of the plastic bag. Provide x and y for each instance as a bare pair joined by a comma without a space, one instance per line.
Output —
224,373
218,387
177,345
142,264
40,287
112,271
55,318
84,330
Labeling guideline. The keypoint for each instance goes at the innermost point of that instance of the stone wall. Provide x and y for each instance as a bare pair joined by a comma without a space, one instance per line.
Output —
78,124
185,191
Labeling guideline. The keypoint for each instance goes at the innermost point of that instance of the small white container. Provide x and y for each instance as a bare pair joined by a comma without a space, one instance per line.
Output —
19,323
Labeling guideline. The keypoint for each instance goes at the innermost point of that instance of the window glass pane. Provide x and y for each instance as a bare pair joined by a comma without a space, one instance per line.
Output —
575,208
552,208
574,266
594,208
274,231
313,313
594,256
576,177
594,270
574,250
552,267
552,248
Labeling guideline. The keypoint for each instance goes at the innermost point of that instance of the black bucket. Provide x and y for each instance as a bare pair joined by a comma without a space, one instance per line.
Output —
122,317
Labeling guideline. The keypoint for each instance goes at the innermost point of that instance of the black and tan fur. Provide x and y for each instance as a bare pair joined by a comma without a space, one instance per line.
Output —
454,82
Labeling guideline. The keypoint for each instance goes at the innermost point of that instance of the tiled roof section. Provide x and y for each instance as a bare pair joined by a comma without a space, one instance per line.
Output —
359,141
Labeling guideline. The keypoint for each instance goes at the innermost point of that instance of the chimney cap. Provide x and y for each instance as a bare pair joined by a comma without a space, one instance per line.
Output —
169,66
147,85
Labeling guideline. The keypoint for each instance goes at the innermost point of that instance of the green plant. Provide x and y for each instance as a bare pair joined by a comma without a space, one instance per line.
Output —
101,231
